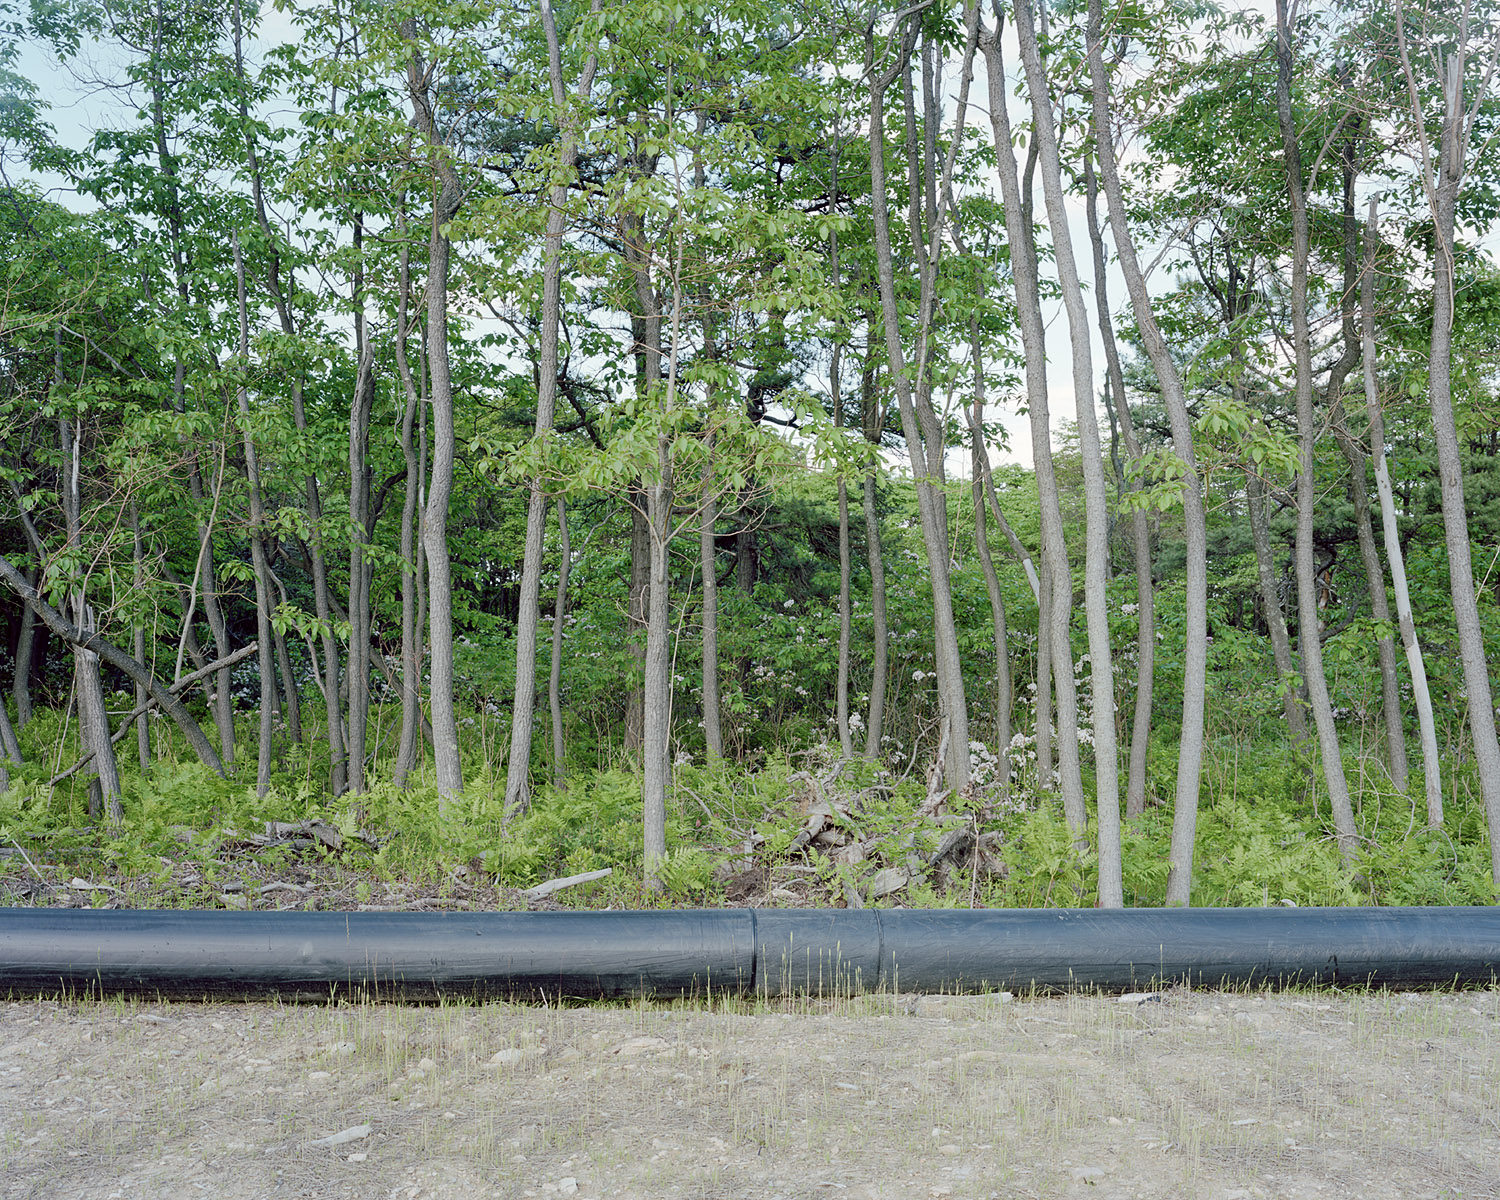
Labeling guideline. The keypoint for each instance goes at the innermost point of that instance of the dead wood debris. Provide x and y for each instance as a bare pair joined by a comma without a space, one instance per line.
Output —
867,863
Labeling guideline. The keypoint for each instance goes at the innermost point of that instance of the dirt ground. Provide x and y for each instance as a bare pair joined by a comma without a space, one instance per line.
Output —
1206,1095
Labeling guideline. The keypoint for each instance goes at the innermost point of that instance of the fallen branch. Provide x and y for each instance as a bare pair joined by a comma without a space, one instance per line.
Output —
186,681
557,885
112,654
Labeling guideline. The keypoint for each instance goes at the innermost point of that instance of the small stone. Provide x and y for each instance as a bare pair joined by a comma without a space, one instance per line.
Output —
426,1065
509,1057
948,1150
567,1186
1088,1174
353,1134
319,1076
640,1045
979,1056
1140,997
360,1157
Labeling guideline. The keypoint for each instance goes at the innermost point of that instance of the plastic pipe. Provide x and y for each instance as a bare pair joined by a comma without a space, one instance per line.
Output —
316,955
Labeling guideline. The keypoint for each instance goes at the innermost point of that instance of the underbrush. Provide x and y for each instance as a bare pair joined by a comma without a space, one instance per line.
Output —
805,830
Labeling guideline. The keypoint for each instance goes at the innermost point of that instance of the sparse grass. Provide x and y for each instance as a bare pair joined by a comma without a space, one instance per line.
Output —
1195,1092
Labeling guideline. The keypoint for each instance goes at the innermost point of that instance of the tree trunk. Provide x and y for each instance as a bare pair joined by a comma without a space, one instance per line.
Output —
138,639
1195,660
409,747
1003,685
362,402
1442,180
1096,500
637,604
88,686
1055,586
1140,525
115,657
446,755
1270,602
872,419
20,687
1432,768
657,684
919,427
263,634
1308,636
713,733
523,707
1359,493
554,679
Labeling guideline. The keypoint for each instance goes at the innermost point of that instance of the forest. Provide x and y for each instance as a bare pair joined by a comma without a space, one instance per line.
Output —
946,454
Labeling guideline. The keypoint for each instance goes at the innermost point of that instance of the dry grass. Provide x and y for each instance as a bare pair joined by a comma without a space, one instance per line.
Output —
1197,1095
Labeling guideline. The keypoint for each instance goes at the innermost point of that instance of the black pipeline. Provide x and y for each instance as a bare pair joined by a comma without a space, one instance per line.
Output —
318,955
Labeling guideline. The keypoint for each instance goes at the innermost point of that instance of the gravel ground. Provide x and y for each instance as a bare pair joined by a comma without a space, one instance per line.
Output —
1206,1095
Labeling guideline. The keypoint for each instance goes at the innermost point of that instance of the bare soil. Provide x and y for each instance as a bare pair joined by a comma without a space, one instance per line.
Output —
1206,1095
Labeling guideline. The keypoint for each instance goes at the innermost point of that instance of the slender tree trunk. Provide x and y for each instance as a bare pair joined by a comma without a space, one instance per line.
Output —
523,707
291,700
409,747
1003,686
657,691
1308,638
20,687
1140,525
713,732
138,639
1195,659
446,755
1270,603
1432,770
923,443
554,679
637,604
89,687
1442,179
1096,500
77,636
362,402
1359,493
259,565
1054,651
11,747
872,421
204,574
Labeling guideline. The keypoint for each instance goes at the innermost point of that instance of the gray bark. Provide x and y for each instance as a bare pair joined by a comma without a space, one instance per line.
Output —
20,688
263,634
1195,663
1442,176
1096,513
1004,698
1308,640
523,707
920,428
1359,492
1140,525
1270,603
713,732
409,745
1432,769
554,678
361,404
872,419
138,638
1054,652
446,755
